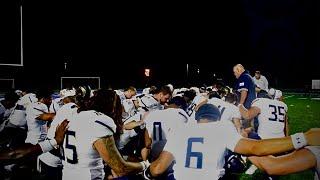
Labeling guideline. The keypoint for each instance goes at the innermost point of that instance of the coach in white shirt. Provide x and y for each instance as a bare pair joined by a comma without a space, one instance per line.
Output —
261,82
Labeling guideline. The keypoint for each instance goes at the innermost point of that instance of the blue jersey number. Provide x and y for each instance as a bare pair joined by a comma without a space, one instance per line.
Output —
190,154
221,108
157,126
74,159
277,112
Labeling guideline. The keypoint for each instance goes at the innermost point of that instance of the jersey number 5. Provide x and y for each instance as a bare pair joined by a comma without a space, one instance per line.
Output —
277,112
74,159
190,154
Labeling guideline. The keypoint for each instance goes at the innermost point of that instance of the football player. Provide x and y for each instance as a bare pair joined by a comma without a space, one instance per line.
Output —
297,161
198,150
37,117
229,111
272,117
50,163
127,94
158,124
28,150
154,101
90,140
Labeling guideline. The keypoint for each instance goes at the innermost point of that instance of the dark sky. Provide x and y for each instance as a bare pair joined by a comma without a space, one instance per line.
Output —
281,38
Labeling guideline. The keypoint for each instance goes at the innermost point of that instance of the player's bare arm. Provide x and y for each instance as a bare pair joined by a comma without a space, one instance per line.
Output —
132,125
46,116
296,161
146,150
110,154
239,127
243,96
248,113
30,150
274,146
159,166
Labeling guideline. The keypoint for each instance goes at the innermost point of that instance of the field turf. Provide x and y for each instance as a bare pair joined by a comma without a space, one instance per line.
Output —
303,114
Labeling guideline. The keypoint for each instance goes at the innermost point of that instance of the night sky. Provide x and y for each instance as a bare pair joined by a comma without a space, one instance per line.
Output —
280,38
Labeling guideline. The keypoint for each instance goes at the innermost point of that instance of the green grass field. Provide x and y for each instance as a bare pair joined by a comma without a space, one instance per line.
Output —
303,113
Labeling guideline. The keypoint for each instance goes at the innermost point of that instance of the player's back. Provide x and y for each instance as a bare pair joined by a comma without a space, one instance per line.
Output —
271,117
65,112
159,123
80,158
199,149
37,129
149,103
228,111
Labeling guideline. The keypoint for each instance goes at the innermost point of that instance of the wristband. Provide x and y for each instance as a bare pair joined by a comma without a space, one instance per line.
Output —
298,140
53,143
145,164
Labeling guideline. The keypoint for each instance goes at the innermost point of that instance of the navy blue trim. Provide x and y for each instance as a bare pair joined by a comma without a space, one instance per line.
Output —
103,124
40,110
183,115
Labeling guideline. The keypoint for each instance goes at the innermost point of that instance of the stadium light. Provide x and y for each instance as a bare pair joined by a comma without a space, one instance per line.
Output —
147,72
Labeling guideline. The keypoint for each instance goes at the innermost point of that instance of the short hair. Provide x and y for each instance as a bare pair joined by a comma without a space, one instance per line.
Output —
178,101
190,94
239,66
164,90
214,94
209,112
131,88
153,90
231,97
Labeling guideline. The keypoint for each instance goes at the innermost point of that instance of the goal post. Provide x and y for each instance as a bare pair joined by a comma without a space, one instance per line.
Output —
68,82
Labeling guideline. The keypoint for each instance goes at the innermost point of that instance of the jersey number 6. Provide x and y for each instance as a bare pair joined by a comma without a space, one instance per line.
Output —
190,154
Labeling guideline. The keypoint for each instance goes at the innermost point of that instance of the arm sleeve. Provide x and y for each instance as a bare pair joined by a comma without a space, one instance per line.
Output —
256,103
243,84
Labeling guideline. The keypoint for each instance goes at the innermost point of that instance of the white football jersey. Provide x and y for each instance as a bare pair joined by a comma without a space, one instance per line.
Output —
271,118
81,160
54,107
228,111
159,123
149,103
199,149
129,108
4,113
121,95
37,129
17,117
27,100
191,108
127,134
65,112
